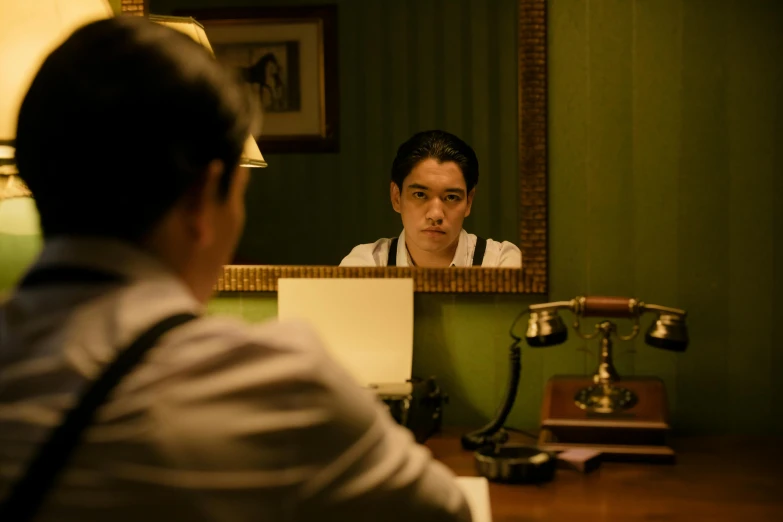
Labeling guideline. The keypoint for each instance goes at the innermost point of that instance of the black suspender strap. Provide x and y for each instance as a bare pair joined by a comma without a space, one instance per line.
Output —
29,492
392,261
478,252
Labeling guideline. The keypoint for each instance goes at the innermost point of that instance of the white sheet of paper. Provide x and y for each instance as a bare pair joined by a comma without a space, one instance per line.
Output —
476,490
367,324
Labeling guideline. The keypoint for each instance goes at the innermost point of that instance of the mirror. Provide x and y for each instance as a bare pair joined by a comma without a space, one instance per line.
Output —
386,72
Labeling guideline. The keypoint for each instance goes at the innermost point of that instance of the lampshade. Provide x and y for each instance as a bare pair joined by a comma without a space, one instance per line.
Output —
545,328
187,25
29,31
669,332
251,155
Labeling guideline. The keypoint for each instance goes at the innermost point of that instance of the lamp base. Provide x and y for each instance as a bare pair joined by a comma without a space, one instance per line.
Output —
639,432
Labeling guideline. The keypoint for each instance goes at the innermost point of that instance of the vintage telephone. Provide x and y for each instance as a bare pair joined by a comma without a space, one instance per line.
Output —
619,417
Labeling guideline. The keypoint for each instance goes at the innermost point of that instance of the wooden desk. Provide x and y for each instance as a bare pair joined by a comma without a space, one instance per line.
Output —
715,479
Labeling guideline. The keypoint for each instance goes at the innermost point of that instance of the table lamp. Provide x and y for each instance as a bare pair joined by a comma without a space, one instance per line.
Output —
29,31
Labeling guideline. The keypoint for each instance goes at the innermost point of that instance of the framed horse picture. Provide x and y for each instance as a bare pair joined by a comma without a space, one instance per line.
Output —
287,56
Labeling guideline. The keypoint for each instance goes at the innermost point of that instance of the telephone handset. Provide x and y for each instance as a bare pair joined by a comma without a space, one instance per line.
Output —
546,328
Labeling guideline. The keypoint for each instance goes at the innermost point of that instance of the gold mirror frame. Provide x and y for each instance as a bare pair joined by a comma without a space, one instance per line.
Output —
532,129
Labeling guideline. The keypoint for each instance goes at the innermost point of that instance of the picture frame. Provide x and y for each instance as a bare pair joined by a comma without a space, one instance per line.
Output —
288,58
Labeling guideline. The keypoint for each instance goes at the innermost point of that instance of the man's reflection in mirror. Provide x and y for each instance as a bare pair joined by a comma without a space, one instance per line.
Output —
433,181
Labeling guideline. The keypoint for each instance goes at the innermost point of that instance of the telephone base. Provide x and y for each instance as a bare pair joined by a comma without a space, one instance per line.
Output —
638,433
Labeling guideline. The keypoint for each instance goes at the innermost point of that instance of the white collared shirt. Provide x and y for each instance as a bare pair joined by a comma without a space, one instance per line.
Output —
224,421
497,254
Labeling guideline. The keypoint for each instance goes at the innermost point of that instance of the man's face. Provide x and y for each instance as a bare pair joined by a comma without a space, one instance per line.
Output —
433,203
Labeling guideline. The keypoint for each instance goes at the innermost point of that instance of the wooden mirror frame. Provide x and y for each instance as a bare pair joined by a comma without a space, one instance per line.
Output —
532,128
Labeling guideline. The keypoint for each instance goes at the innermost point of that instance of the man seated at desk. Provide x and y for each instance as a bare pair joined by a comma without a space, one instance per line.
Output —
434,178
221,420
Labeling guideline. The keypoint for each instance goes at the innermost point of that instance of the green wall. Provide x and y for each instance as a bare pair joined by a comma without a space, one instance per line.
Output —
666,126
665,183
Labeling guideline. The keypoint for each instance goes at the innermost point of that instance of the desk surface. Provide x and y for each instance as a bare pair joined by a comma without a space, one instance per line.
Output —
737,479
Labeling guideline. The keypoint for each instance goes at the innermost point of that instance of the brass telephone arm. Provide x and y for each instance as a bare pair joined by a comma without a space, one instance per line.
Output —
606,306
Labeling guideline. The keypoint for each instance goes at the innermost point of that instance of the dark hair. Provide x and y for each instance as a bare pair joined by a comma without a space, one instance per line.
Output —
438,145
120,122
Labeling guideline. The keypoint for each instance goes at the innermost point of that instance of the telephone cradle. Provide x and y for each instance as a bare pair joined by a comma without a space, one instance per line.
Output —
639,432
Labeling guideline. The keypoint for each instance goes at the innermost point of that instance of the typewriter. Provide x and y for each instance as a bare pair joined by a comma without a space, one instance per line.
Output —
416,404
353,318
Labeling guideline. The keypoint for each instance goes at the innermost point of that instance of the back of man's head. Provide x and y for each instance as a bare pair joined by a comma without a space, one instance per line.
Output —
120,121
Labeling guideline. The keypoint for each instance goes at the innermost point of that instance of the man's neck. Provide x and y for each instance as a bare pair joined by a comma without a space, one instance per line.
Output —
179,258
426,259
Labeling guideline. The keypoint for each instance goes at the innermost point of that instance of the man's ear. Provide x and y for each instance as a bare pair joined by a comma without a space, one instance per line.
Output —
470,201
394,192
202,201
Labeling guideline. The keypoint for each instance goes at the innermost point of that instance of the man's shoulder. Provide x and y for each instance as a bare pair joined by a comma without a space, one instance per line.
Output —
226,341
499,253
289,334
502,245
368,254
508,255
260,397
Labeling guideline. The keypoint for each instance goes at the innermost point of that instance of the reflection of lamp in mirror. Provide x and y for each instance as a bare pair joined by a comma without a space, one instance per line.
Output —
251,155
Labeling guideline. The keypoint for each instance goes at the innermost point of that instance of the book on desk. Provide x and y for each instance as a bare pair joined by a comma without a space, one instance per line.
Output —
476,491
